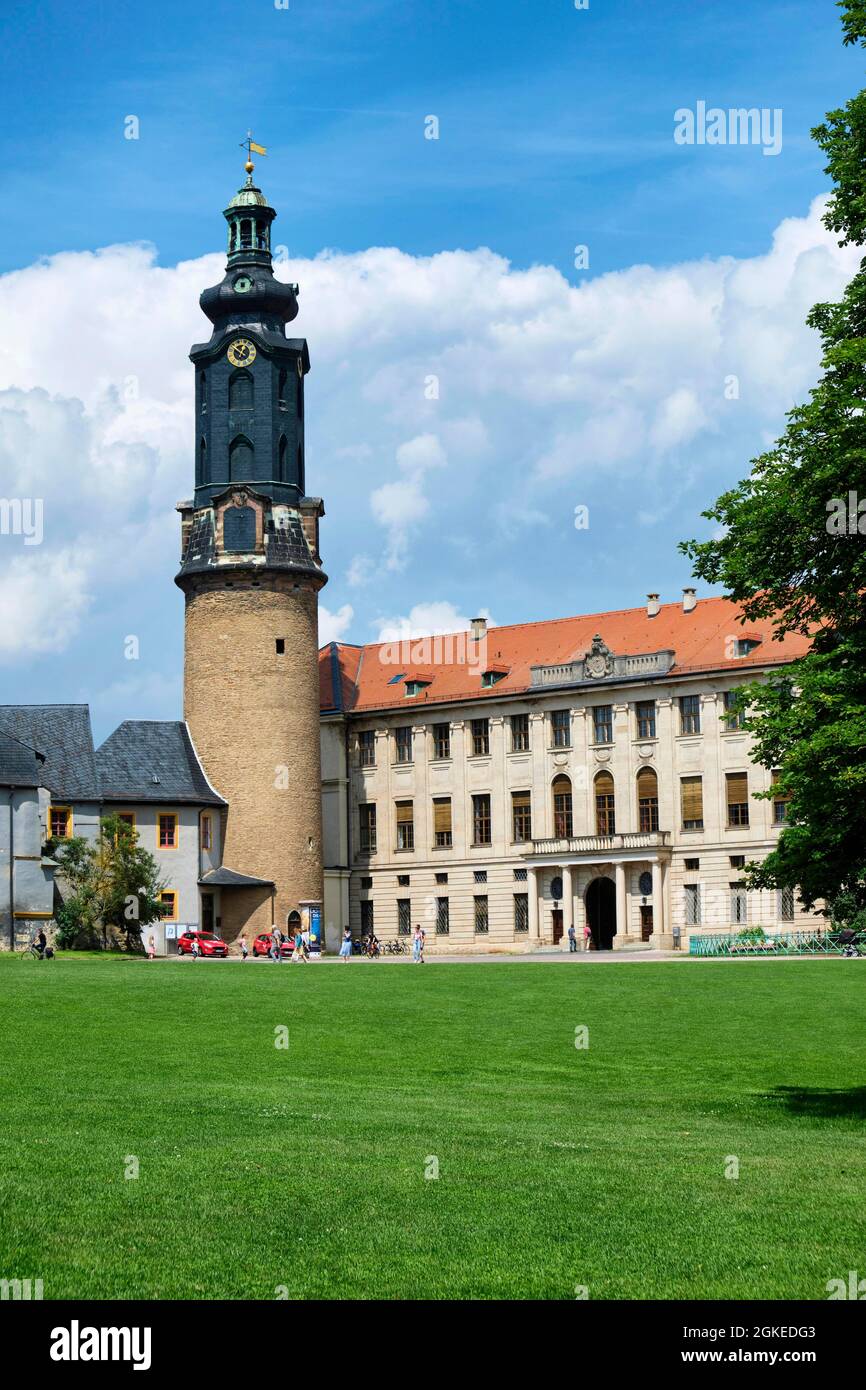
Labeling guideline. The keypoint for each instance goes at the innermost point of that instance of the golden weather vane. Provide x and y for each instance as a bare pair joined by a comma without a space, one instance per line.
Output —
251,148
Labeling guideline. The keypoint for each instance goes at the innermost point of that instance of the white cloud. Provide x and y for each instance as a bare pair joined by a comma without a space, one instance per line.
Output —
549,395
333,626
426,620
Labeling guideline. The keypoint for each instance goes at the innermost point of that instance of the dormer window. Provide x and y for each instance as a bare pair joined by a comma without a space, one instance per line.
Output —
489,678
414,687
745,645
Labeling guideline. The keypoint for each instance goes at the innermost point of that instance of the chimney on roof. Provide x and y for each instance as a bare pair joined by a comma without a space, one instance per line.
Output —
652,605
690,599
478,627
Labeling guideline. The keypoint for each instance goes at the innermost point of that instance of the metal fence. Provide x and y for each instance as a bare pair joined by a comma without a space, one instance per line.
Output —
793,943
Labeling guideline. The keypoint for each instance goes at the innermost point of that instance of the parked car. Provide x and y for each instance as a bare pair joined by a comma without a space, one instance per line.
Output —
208,944
262,945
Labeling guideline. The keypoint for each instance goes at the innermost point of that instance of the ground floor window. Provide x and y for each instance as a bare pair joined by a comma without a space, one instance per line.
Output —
207,912
168,902
693,904
521,912
739,911
59,822
482,923
366,918
442,924
785,904
404,916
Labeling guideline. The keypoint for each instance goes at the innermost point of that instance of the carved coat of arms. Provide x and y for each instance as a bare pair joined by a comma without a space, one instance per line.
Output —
599,662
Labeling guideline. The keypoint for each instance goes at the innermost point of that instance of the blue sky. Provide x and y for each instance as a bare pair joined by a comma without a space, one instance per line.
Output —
555,130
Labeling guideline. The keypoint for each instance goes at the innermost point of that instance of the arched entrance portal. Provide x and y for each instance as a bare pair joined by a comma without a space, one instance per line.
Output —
601,913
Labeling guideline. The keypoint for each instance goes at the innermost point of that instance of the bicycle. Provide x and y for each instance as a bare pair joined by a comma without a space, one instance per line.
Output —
32,952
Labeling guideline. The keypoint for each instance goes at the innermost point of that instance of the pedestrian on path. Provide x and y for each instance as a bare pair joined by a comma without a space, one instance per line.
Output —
151,947
346,944
587,937
245,950
572,939
418,944
277,945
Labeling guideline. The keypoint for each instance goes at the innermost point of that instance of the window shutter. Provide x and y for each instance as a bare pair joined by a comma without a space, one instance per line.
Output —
520,801
404,812
562,785
738,788
647,783
692,798
441,814
604,784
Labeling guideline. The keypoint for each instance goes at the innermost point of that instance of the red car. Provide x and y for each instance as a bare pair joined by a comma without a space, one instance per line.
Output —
208,944
262,945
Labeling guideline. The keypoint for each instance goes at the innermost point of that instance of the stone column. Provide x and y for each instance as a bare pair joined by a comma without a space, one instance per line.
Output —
567,902
622,924
532,893
659,917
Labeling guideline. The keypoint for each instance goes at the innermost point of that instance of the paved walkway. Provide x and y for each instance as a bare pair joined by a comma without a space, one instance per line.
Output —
536,957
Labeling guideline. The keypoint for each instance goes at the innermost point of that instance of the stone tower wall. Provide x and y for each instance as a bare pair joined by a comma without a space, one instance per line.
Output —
254,718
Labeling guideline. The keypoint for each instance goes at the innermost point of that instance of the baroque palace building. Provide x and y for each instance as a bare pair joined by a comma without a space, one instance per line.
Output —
496,786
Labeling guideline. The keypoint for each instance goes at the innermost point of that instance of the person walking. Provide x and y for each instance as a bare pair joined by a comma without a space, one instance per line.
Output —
572,939
245,950
151,947
587,937
277,945
346,944
418,944
196,949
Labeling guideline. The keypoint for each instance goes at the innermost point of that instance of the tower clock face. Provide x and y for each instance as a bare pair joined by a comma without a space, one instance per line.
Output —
241,352
242,285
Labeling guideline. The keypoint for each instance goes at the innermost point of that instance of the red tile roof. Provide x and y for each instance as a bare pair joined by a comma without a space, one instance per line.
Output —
701,641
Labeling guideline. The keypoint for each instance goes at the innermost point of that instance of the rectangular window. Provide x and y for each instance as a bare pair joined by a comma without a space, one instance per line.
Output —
739,905
441,878
368,827
168,903
480,875
60,822
166,834
481,820
521,912
519,875
366,918
560,728
405,825
442,822
367,747
128,818
692,802
733,717
690,714
785,904
480,737
404,916
442,927
402,880
738,797
366,883
208,915
442,740
693,904
403,743
646,719
481,919
206,842
780,802
692,866
520,733
602,723
521,817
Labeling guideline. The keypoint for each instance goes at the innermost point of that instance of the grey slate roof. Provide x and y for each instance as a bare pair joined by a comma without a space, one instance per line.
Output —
230,878
62,733
20,765
141,749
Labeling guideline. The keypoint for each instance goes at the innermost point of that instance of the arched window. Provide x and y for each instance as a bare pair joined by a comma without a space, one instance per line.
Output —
204,476
647,799
283,458
202,392
281,390
605,816
240,460
562,818
246,235
240,390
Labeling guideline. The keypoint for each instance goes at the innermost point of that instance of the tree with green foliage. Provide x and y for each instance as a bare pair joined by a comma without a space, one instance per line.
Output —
792,549
113,884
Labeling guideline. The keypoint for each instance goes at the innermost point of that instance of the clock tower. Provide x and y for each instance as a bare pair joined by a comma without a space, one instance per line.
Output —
250,573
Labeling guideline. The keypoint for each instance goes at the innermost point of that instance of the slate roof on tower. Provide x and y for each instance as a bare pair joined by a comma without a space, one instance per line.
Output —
701,640
153,760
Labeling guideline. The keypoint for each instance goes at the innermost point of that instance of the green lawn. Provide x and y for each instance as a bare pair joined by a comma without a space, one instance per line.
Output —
305,1167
